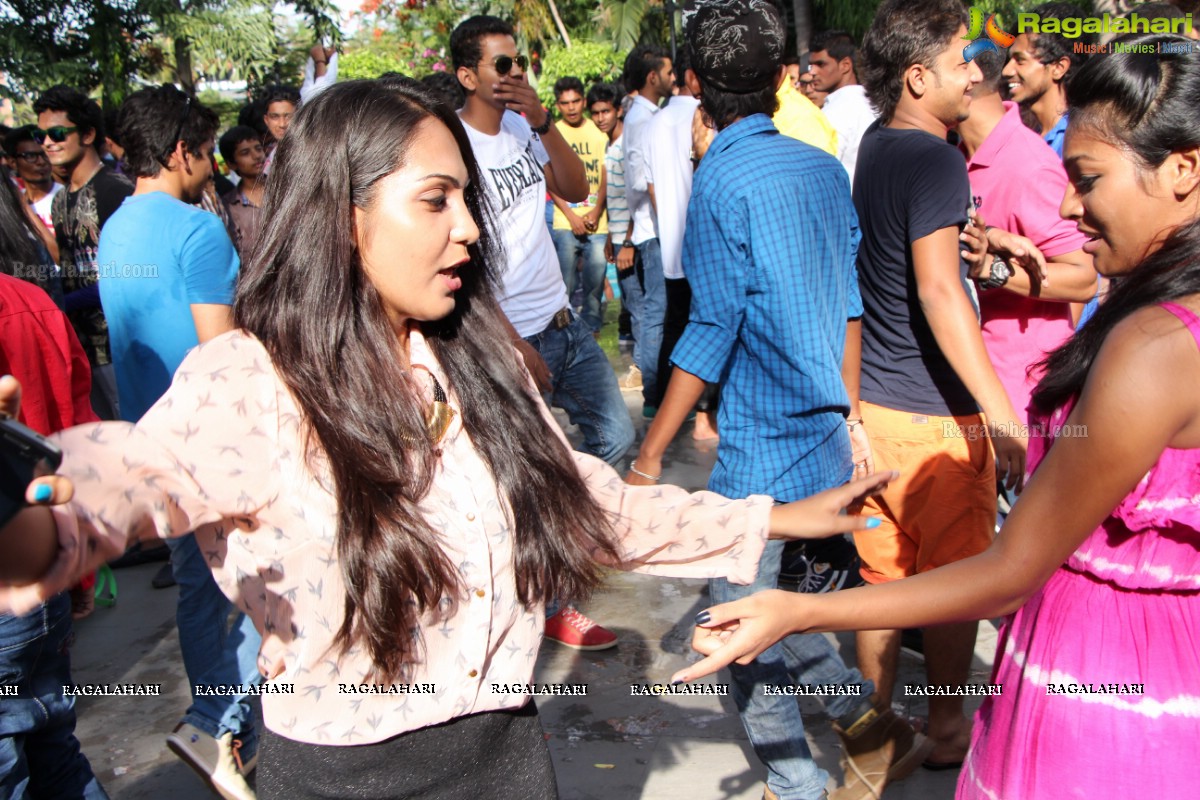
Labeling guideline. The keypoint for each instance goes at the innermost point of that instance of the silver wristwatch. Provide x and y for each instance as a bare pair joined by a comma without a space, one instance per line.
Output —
999,276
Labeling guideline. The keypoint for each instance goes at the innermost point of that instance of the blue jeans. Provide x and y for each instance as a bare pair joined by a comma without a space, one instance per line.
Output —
648,291
588,249
39,754
585,386
214,653
773,723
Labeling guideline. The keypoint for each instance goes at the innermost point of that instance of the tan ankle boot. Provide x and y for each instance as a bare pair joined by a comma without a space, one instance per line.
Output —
878,748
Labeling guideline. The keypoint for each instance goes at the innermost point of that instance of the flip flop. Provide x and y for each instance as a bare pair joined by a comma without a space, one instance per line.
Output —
921,726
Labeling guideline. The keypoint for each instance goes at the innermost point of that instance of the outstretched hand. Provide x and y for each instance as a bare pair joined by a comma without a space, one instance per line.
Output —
58,489
824,514
29,543
740,631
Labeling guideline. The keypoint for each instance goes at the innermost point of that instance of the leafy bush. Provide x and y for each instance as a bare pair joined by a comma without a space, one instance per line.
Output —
591,62
368,63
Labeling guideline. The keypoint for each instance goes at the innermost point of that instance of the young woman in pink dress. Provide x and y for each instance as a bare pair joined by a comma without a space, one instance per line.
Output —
1098,565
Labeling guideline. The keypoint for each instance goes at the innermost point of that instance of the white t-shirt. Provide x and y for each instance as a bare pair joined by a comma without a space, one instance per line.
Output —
532,289
669,168
637,122
42,207
850,113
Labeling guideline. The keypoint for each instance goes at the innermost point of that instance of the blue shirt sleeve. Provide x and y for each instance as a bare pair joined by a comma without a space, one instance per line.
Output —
716,260
209,262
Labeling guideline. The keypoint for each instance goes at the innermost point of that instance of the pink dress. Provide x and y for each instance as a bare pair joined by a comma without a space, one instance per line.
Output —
1123,610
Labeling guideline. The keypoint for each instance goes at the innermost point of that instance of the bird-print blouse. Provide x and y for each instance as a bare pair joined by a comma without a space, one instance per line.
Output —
223,454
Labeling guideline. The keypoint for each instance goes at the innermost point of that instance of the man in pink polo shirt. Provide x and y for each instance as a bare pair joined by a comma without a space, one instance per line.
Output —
1035,267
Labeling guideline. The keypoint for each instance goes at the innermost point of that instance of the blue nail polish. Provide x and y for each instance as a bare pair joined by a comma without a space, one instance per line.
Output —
703,618
42,493
874,522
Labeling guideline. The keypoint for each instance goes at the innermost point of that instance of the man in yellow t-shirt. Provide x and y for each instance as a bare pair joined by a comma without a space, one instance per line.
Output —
799,118
580,229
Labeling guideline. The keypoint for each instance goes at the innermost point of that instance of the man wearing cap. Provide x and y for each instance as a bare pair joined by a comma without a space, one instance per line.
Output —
772,297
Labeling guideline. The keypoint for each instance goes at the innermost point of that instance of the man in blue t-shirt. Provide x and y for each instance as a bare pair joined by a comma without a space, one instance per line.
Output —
167,274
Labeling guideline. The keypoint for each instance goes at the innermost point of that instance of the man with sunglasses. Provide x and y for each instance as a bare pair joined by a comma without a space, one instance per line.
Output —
519,158
70,128
33,170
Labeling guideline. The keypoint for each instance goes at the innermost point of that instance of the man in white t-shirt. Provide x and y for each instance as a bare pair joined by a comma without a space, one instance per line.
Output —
831,62
669,168
649,71
519,159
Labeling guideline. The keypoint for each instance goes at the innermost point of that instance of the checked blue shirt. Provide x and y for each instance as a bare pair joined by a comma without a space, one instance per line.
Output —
769,251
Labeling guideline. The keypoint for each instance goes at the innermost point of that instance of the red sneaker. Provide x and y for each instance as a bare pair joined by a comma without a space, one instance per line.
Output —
570,628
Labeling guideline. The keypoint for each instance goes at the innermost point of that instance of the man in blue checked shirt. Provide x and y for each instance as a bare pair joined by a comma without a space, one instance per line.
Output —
769,248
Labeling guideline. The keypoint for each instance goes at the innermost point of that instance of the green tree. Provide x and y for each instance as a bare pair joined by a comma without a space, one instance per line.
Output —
589,61
105,44
230,38
86,44
622,21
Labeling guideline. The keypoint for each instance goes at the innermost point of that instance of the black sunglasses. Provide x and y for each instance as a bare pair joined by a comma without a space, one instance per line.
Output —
504,64
58,134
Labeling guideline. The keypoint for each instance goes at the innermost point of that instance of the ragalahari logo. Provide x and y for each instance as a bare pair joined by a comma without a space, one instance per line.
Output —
986,36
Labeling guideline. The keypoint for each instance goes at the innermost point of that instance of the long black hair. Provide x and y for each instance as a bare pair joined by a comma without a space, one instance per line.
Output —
305,295
18,238
1149,104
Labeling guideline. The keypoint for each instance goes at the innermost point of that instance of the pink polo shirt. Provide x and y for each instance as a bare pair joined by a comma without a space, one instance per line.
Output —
1019,183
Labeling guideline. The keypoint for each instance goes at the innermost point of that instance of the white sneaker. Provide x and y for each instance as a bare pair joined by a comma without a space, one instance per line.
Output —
632,379
215,760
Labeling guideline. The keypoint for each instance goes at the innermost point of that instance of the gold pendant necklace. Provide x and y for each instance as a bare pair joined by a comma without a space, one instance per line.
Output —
439,414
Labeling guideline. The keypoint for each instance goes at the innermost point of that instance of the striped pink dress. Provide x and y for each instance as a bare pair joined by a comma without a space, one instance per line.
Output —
1122,614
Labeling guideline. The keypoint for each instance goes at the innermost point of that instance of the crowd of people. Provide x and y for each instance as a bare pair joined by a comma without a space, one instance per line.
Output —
948,304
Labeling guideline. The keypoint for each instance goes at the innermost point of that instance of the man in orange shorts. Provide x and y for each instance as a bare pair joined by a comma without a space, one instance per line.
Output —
925,373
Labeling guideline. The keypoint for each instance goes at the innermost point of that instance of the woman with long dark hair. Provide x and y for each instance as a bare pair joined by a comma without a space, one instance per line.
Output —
1099,562
23,240
376,481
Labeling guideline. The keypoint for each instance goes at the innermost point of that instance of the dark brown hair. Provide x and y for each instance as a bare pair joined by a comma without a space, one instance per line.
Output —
305,295
903,33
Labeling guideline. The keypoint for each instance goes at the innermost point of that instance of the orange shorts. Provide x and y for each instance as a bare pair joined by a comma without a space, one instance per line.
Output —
942,508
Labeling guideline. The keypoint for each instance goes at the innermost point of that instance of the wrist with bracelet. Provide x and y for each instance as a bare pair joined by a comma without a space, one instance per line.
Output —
544,128
853,423
633,468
